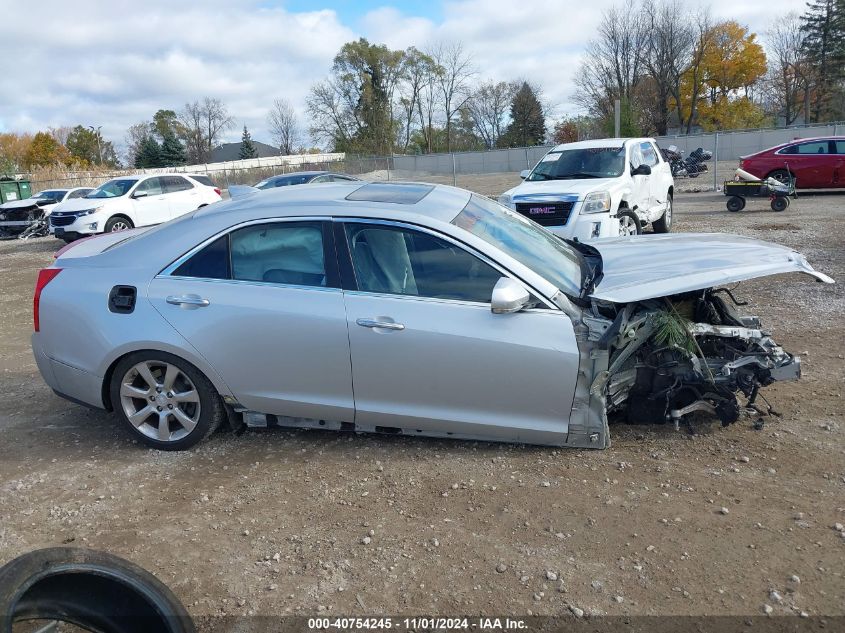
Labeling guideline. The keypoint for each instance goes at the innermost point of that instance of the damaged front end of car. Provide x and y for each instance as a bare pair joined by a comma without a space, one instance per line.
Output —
660,360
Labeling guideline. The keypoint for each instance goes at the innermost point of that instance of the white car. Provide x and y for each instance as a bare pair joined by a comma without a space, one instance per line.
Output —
18,216
130,201
596,189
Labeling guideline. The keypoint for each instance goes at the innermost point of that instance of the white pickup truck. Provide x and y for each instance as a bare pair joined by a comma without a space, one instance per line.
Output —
597,189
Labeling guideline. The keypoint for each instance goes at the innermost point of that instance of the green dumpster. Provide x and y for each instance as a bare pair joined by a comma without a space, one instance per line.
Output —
14,189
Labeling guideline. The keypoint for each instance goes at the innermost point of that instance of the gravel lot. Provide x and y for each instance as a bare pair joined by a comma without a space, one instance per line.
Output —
275,522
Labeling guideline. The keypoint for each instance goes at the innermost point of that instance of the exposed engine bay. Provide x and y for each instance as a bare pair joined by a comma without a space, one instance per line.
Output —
672,356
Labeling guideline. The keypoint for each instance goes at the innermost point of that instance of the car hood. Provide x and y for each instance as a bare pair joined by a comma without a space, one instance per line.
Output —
545,190
81,204
644,267
21,204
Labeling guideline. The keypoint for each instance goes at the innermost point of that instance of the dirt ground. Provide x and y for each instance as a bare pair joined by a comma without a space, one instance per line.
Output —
273,522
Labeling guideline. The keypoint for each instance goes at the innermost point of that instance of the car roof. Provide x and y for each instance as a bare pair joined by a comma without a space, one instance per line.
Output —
599,142
349,199
299,173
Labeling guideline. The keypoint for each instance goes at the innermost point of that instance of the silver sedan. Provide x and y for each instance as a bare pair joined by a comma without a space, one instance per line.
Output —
400,308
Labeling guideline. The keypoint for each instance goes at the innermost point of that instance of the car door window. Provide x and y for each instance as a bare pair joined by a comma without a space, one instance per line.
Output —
398,261
636,156
78,194
819,147
284,252
649,154
211,262
152,187
174,184
839,146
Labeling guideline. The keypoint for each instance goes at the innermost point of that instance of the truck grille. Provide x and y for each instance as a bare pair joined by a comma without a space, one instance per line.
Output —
546,213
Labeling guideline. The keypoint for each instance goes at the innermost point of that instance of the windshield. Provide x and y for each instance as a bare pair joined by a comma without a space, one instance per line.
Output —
527,242
51,194
112,189
588,162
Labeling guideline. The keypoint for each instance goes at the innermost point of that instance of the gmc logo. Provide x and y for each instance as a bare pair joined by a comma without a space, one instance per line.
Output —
541,210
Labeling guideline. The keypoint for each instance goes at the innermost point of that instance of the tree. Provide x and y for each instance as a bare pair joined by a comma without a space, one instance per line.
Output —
528,121
612,66
823,26
565,131
172,151
13,151
789,74
247,149
415,89
284,127
45,150
84,144
488,107
203,122
692,81
166,123
452,79
135,135
668,51
353,109
149,153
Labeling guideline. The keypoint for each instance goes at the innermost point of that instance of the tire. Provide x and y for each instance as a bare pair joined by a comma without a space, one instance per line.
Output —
781,175
169,417
93,590
118,223
779,204
664,223
629,223
735,203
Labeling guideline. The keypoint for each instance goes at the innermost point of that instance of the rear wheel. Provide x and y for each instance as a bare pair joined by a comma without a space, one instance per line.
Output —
781,175
664,223
166,402
629,223
118,223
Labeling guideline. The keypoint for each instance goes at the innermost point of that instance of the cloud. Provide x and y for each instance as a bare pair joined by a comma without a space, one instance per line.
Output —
91,63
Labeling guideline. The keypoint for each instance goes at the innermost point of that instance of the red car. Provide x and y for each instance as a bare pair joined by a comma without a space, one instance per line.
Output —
815,163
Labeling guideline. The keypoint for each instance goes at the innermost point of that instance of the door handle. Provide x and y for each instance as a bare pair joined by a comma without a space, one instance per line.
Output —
384,325
187,301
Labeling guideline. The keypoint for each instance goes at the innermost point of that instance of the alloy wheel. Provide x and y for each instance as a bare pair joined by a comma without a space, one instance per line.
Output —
160,401
627,226
119,225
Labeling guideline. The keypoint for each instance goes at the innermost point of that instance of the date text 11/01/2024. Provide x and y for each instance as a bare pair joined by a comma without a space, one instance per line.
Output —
416,623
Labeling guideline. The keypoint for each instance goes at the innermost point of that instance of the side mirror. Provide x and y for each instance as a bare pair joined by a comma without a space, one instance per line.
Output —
140,194
508,296
525,173
642,170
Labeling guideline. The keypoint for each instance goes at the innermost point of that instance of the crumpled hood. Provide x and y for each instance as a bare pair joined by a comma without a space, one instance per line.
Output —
536,191
644,267
21,204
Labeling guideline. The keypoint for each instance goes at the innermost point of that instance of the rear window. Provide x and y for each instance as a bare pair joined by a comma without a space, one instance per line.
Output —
212,262
203,180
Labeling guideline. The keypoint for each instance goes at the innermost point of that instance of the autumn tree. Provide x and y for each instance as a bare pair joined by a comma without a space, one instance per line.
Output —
13,151
565,131
45,150
89,147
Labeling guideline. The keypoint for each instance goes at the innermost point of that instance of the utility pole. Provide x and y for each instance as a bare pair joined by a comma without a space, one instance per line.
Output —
96,131
617,118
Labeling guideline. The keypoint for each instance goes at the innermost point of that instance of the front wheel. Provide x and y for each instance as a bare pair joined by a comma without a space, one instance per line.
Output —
166,402
735,203
664,223
629,223
118,223
779,204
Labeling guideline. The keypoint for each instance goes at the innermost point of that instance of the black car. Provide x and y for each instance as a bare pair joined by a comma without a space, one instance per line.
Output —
303,178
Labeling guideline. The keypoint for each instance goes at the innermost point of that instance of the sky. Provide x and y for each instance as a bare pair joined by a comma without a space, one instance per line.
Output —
114,63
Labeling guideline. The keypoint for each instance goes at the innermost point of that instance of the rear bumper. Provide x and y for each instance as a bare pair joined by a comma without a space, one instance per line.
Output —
69,382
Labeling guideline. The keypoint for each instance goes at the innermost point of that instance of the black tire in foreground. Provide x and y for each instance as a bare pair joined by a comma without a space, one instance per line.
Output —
735,203
172,404
780,204
664,223
93,590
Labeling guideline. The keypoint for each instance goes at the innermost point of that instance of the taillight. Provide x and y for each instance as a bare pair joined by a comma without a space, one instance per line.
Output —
218,192
45,276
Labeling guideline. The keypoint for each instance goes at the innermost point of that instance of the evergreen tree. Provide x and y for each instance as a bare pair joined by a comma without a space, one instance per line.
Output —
247,146
823,25
528,121
149,153
172,151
